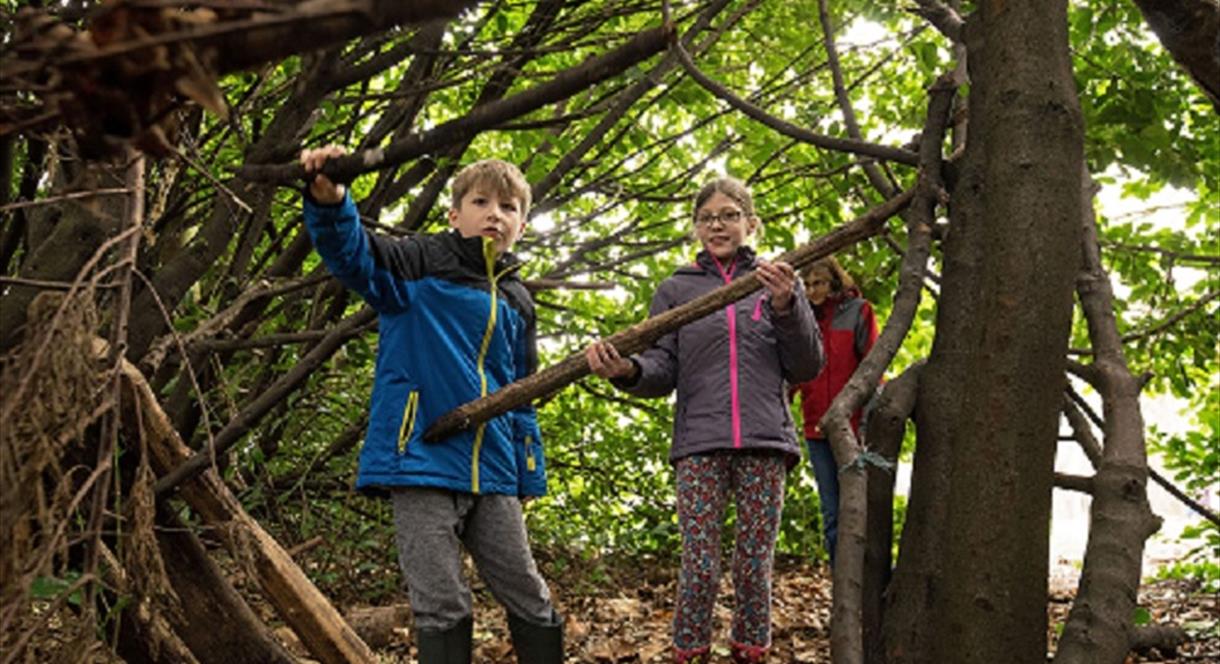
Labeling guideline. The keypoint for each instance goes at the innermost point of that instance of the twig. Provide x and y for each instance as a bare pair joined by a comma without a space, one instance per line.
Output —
1160,479
49,285
534,285
211,178
1175,255
1080,483
204,411
71,196
1159,327
786,128
15,399
248,417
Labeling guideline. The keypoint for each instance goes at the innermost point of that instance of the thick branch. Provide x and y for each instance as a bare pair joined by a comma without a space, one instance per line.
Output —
943,17
1159,327
1162,637
298,601
642,335
1099,626
846,638
1190,31
622,102
563,85
788,129
231,45
1081,483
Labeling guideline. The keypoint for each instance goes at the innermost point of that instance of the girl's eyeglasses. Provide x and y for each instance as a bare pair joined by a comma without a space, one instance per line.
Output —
727,216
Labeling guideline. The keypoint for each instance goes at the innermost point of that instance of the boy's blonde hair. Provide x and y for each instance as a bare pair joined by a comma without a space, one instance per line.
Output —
495,175
729,186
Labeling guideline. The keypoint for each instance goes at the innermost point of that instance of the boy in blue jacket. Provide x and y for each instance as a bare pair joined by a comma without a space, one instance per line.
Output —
455,324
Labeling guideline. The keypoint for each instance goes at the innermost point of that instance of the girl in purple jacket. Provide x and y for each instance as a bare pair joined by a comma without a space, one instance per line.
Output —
733,433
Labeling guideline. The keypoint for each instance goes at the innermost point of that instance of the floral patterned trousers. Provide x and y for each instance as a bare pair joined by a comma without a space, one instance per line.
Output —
755,480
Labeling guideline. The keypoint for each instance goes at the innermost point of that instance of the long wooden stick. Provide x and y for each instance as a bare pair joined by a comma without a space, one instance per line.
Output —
301,605
642,335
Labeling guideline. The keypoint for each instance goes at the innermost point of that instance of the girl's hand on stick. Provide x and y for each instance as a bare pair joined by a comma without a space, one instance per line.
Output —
780,280
605,361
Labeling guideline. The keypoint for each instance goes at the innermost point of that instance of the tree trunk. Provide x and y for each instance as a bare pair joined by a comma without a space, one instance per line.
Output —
1190,31
87,224
1100,629
313,618
217,625
886,427
996,374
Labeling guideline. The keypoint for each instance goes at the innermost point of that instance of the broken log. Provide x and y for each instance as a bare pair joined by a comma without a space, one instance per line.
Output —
323,631
1164,638
642,335
218,625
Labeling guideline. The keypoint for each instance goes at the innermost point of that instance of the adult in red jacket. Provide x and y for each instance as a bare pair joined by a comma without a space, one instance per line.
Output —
849,330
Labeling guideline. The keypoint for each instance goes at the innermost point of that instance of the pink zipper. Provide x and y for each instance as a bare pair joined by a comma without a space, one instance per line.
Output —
730,312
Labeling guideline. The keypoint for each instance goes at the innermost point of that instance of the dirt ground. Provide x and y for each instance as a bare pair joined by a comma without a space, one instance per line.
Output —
623,613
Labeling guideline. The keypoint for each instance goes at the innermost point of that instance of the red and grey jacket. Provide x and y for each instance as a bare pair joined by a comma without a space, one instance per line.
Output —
849,329
731,368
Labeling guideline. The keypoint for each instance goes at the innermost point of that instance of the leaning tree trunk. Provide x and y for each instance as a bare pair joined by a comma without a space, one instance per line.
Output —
217,625
994,379
886,426
1099,629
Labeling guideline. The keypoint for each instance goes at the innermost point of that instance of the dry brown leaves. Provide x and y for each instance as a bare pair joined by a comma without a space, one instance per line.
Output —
621,612
119,81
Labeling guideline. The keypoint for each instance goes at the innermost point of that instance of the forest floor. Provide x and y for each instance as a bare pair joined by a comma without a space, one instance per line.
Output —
621,612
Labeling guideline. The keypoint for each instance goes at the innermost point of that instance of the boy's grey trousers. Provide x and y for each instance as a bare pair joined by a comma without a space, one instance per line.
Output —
430,527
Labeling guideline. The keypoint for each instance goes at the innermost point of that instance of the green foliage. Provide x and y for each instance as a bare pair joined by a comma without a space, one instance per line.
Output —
621,215
50,588
611,487
610,484
1202,562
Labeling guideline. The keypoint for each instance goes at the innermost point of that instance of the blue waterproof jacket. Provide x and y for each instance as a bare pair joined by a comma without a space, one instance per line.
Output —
455,324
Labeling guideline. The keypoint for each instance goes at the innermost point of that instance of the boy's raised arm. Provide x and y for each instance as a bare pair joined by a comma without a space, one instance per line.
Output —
378,268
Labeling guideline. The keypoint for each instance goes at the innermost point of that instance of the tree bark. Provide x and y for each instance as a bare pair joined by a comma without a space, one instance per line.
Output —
642,335
996,373
307,611
217,625
1190,31
1099,628
886,427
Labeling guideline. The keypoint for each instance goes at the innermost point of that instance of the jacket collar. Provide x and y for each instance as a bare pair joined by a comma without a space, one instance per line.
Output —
744,259
469,251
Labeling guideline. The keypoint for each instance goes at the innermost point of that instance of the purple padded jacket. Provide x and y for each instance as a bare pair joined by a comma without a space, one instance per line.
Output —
731,368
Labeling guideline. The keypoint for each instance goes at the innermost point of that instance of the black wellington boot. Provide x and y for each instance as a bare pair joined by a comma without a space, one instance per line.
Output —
445,646
537,644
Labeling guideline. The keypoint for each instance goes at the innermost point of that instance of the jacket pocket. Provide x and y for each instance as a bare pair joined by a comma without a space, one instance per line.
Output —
531,462
407,427
531,458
